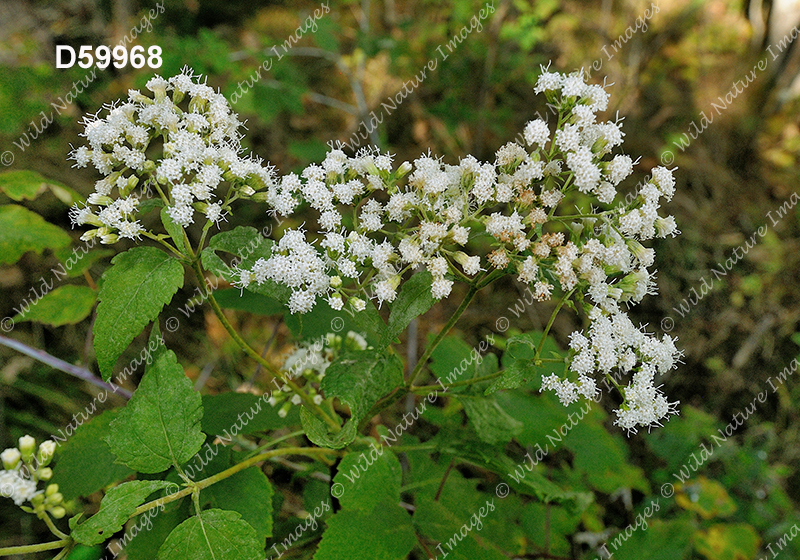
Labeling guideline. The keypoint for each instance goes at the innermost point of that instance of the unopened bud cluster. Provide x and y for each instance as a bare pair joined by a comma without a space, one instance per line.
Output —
309,362
23,468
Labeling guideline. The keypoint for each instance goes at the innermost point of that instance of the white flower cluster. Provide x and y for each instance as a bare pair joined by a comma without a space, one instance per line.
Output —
310,361
23,468
199,147
614,346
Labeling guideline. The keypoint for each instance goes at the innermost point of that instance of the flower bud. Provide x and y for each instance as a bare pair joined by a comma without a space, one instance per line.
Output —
27,445
99,199
54,499
336,281
10,458
44,474
247,191
58,512
358,304
403,170
46,451
260,197
109,239
177,96
51,489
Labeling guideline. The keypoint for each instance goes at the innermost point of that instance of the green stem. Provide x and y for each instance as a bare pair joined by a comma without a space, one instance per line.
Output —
275,442
29,548
52,527
473,289
165,244
206,482
550,322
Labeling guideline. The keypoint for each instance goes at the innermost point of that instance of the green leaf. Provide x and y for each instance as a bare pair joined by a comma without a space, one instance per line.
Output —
663,540
369,477
247,413
213,534
160,426
385,533
737,541
491,422
250,494
115,509
317,431
413,300
360,379
86,446
140,282
174,230
65,305
456,535
20,185
78,259
22,230
154,530
514,376
234,298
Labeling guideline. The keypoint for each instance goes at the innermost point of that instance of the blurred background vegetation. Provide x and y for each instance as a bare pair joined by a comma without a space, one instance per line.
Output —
743,165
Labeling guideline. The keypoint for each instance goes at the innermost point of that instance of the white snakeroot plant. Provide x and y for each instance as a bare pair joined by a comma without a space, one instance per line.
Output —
23,468
368,222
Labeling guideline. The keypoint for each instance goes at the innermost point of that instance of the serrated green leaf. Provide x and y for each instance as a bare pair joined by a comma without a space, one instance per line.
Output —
514,376
140,282
213,534
174,230
369,477
413,300
456,535
87,446
248,413
22,230
250,494
160,426
492,424
65,305
385,532
360,379
115,509
317,431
